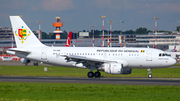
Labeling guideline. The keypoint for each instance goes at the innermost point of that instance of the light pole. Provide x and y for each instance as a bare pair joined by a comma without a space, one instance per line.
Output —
103,30
156,31
120,38
179,35
39,30
93,35
121,26
110,30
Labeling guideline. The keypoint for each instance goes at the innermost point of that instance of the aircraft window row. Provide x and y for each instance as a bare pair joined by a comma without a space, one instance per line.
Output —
133,54
93,54
100,54
163,54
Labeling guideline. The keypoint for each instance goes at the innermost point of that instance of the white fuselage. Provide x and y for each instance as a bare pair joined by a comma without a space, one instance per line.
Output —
130,57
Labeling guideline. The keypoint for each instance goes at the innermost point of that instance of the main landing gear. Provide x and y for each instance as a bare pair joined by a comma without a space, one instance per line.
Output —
91,74
149,73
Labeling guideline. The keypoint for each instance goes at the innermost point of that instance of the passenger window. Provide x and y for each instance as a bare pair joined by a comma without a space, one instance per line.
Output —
160,54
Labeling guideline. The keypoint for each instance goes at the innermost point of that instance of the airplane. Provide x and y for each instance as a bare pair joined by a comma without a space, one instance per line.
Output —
172,50
111,60
173,53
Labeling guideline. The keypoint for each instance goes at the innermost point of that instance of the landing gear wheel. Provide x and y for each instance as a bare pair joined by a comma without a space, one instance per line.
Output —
90,74
35,63
149,73
97,74
150,76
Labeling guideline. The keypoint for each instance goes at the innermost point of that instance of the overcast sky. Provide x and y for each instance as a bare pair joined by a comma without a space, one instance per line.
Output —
78,15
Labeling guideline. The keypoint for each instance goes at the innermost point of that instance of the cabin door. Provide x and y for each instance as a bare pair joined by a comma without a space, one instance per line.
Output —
44,54
149,56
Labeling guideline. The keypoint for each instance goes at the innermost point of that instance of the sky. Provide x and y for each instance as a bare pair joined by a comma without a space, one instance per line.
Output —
78,15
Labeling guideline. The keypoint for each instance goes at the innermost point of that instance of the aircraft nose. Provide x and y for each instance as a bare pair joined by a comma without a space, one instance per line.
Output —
172,61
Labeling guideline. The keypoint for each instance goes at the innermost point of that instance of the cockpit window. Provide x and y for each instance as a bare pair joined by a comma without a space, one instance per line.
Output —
163,54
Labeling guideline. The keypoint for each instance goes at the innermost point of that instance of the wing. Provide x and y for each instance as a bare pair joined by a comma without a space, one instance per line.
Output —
86,61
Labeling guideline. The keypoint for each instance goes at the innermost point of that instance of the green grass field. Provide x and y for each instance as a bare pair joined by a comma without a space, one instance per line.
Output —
86,92
12,91
79,72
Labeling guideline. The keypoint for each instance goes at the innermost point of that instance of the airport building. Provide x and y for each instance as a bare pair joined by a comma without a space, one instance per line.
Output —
164,40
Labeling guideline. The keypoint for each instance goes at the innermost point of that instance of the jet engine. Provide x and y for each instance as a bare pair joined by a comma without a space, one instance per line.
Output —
25,61
116,68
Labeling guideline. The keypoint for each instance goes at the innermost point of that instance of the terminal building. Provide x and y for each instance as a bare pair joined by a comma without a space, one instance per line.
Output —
164,40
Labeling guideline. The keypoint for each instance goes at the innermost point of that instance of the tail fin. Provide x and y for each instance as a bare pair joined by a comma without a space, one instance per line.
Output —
174,50
68,40
24,37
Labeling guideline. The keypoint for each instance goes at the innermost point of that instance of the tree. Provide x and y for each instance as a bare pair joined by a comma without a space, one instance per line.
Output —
141,31
177,28
44,35
51,35
64,35
129,32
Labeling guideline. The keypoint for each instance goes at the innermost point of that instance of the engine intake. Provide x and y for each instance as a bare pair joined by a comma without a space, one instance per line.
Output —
113,68
25,61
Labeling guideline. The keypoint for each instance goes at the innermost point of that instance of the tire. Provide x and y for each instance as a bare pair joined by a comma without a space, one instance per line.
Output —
150,76
90,74
97,74
35,63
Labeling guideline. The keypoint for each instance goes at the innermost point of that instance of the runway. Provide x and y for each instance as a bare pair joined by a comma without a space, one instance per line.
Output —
118,81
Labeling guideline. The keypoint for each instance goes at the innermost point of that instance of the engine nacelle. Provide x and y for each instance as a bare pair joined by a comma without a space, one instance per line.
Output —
127,71
25,61
113,68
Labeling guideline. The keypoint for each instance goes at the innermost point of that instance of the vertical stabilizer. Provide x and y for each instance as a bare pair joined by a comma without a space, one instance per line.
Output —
24,37
68,40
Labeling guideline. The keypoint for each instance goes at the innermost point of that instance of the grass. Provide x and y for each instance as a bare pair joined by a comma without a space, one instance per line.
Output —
86,92
79,72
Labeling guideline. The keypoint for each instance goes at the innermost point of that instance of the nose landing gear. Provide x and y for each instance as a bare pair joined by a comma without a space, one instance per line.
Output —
149,73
